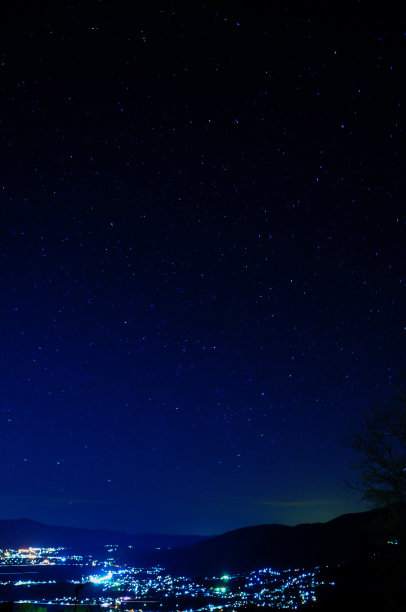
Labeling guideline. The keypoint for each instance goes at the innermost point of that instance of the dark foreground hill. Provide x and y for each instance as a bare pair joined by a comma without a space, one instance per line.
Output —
373,584
343,539
24,532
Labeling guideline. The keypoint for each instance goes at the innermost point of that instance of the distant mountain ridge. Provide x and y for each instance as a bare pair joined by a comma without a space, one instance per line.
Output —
19,533
346,538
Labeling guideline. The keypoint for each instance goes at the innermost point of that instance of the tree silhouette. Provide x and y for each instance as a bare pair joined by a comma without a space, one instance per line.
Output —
380,457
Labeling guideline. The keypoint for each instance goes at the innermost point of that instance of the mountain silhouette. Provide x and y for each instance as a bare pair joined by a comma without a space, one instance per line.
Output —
344,539
22,533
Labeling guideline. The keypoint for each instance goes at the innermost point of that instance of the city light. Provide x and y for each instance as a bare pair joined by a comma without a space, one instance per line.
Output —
109,583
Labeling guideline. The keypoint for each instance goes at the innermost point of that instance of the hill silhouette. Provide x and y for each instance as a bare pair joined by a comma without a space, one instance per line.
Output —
343,539
21,533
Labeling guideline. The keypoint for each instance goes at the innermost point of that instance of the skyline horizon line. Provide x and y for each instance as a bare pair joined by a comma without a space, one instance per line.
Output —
177,534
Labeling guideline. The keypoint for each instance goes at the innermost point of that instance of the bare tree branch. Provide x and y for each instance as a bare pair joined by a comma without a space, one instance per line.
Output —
380,455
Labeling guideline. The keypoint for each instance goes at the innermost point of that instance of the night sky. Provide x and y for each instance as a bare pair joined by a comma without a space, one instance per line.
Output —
202,257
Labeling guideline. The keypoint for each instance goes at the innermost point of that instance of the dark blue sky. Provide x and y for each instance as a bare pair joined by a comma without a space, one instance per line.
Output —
202,258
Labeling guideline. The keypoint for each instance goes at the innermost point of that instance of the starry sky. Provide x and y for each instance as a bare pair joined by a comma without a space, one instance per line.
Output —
202,257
